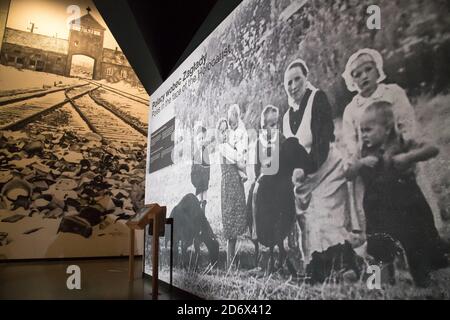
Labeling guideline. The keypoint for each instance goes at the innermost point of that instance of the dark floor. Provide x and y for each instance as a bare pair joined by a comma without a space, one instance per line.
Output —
100,279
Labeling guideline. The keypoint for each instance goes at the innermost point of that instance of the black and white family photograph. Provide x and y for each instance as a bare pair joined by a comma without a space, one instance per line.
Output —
310,154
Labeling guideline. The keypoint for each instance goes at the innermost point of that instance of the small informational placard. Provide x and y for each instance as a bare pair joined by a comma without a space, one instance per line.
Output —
161,147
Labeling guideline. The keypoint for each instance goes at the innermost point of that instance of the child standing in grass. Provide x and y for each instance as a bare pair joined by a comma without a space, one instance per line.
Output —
267,149
200,170
238,139
394,205
364,74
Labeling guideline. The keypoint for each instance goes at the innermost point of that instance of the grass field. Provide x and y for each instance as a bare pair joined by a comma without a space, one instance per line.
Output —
214,283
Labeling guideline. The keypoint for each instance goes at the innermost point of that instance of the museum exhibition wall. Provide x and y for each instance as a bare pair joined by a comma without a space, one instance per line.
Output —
304,144
73,127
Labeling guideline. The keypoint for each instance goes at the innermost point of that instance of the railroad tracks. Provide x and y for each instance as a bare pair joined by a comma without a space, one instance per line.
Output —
21,96
106,123
97,117
121,93
15,116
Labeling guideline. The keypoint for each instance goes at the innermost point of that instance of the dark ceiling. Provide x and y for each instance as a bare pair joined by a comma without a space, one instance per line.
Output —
157,35
169,26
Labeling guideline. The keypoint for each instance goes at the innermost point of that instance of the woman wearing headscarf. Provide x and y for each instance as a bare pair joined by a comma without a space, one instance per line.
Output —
364,74
321,188
234,220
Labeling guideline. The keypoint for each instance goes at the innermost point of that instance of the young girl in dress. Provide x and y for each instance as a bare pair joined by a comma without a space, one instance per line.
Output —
267,149
364,74
238,139
200,170
394,205
268,143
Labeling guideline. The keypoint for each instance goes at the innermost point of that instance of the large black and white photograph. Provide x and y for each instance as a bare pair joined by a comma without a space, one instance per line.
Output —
73,134
310,156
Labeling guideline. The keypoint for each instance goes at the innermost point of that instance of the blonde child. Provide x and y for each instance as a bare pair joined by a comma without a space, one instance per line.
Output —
364,74
267,157
238,139
394,205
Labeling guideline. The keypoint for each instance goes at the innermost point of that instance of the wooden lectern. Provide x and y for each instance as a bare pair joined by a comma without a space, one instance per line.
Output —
155,216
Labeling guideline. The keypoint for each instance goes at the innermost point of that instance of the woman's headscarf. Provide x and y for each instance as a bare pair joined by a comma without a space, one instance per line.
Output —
302,65
374,55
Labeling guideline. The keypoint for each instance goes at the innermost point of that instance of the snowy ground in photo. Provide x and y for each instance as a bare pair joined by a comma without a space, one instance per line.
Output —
14,79
131,107
124,86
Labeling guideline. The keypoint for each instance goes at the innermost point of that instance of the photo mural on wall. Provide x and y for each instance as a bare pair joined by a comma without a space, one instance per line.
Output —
73,128
307,149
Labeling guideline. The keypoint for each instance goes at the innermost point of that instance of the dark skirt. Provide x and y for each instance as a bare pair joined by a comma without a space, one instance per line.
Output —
200,177
397,208
234,219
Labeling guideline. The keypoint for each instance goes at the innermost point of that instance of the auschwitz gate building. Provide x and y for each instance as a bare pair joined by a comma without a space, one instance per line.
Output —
27,50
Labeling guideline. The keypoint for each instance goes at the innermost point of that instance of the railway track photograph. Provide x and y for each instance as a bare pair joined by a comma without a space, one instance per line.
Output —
73,139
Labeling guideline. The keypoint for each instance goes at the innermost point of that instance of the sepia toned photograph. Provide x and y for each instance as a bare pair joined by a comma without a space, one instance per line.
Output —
73,133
